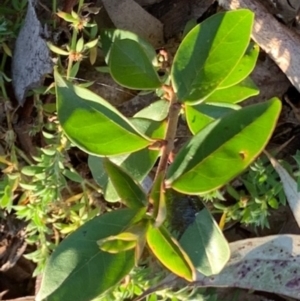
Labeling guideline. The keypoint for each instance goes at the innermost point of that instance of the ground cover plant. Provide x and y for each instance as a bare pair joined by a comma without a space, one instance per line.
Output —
133,243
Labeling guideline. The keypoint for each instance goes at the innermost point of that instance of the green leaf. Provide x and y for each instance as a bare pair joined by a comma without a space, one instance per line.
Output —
205,244
223,149
80,44
57,50
244,67
137,165
93,124
209,53
78,270
74,70
72,175
100,176
130,66
151,128
157,111
131,193
109,36
130,238
32,170
7,198
115,246
168,251
234,94
90,44
201,115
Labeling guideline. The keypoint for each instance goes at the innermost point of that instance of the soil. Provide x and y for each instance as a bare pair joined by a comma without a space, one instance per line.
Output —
16,279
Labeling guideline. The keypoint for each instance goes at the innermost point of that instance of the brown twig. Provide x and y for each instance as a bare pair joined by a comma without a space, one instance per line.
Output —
173,116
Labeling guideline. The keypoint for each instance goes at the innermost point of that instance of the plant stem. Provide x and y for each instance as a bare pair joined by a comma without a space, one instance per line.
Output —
54,9
92,186
3,61
73,42
80,5
73,49
174,111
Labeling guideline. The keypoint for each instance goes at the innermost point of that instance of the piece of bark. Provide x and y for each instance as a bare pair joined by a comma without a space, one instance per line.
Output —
276,39
31,57
128,15
12,242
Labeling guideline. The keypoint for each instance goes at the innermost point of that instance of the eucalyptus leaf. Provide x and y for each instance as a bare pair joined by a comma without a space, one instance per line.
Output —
269,264
78,270
205,244
209,53
94,125
130,66
223,149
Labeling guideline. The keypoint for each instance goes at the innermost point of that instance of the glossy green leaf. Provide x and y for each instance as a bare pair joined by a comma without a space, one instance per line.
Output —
151,128
209,53
244,67
129,239
93,124
201,115
72,175
109,36
234,94
78,270
137,164
117,245
168,251
6,198
130,66
130,192
100,176
157,111
223,149
205,244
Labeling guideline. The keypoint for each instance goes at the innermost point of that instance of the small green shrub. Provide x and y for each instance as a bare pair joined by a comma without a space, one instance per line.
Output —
207,78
